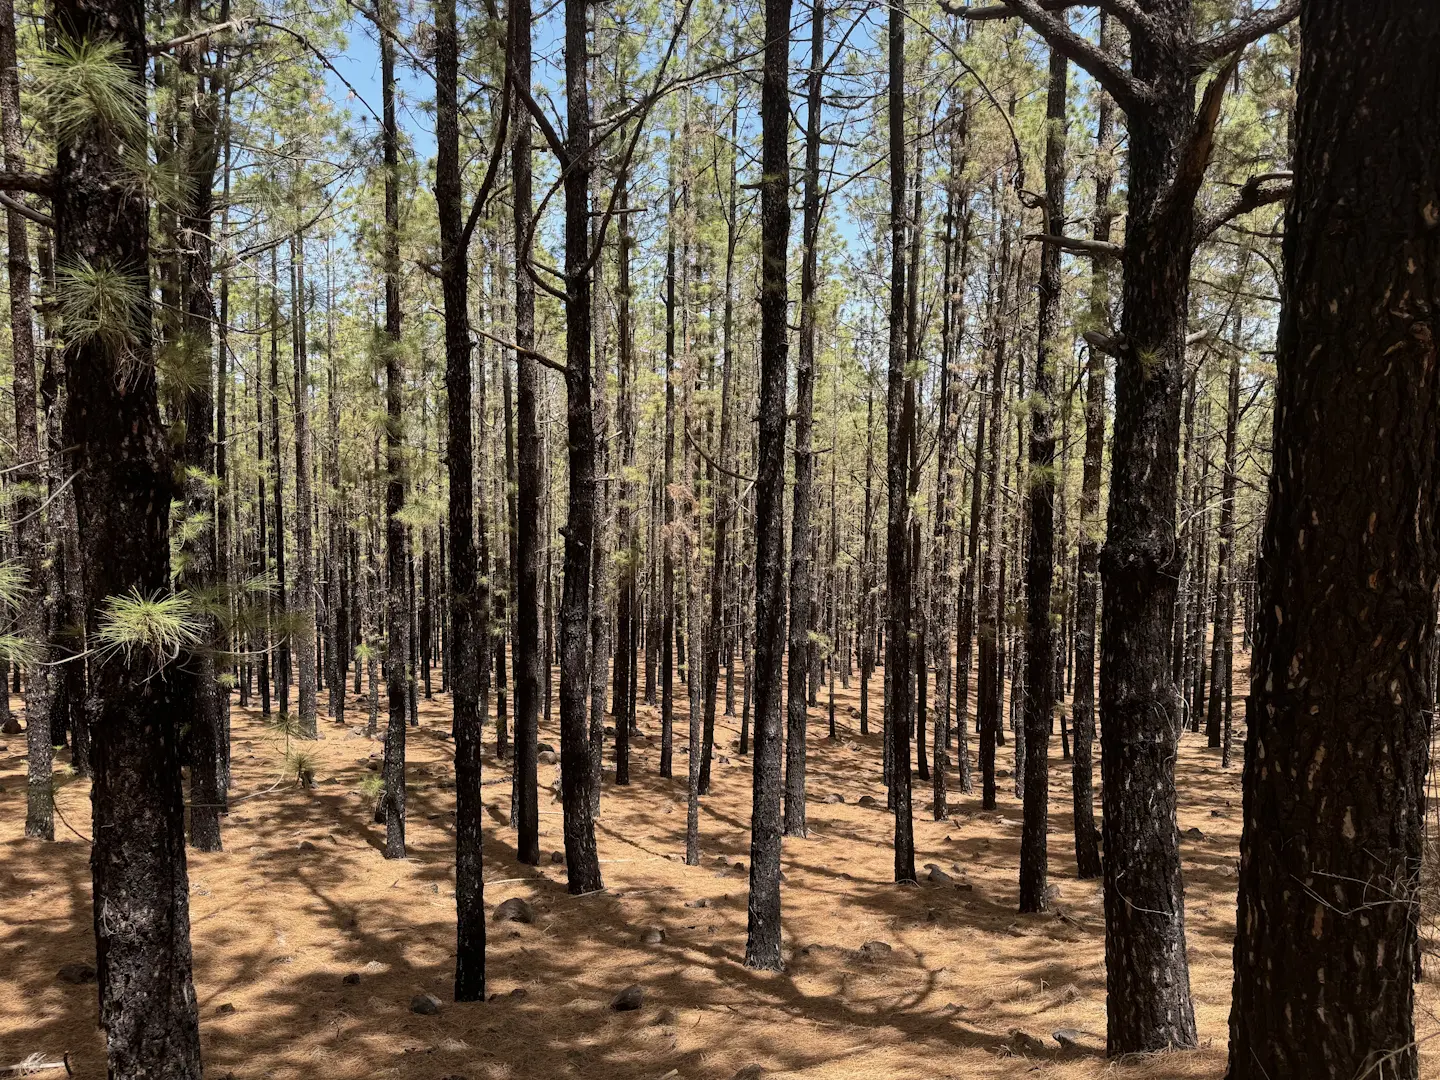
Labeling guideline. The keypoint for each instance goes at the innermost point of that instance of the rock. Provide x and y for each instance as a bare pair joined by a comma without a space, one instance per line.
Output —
653,935
306,845
609,730
519,992
547,757
938,876
425,1004
739,867
545,748
629,999
1069,1038
77,974
749,1072
1216,813
703,902
875,950
867,800
557,858
1052,893
12,726
833,798
1022,1042
515,909
1194,834
225,1009
352,979
1068,993
722,861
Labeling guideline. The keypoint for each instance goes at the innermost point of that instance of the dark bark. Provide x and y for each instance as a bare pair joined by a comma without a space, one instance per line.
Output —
1040,557
1224,587
762,945
801,562
526,514
1336,756
305,671
465,639
900,422
581,860
123,488
397,614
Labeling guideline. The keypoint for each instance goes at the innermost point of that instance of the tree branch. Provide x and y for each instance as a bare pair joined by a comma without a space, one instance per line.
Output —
1253,195
1129,92
539,357
25,211
35,183
159,47
1195,154
552,140
1244,32
1100,249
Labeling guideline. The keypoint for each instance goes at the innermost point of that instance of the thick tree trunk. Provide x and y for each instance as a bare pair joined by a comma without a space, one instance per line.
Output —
305,599
582,863
1340,703
123,488
1040,558
762,945
465,639
800,560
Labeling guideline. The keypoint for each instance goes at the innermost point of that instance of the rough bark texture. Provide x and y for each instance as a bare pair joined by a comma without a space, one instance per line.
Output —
900,419
525,514
581,859
762,944
397,614
1339,727
464,638
123,489
800,560
1040,566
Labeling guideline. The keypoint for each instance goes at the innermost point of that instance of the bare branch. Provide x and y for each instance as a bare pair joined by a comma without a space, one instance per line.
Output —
552,140
1253,195
1106,343
1244,32
1102,249
1129,93
24,211
539,357
1195,154
35,183
204,32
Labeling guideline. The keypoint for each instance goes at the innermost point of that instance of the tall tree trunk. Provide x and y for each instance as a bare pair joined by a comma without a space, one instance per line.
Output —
465,638
1087,573
305,674
1040,558
1338,743
397,613
526,517
581,860
801,563
900,422
29,530
1224,587
123,488
762,944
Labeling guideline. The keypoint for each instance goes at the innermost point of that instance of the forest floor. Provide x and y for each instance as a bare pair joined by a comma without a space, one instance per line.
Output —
301,898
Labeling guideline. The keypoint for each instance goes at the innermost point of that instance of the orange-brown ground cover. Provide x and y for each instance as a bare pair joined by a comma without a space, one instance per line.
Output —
301,897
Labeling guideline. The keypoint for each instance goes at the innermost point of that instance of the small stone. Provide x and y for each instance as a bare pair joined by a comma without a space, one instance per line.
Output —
519,992
225,1009
875,950
1216,813
515,909
834,797
938,876
352,979
722,861
867,800
1022,1042
545,748
653,935
76,974
1069,1038
629,999
749,1072
557,858
306,845
703,902
609,730
425,1004
547,757
1194,834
